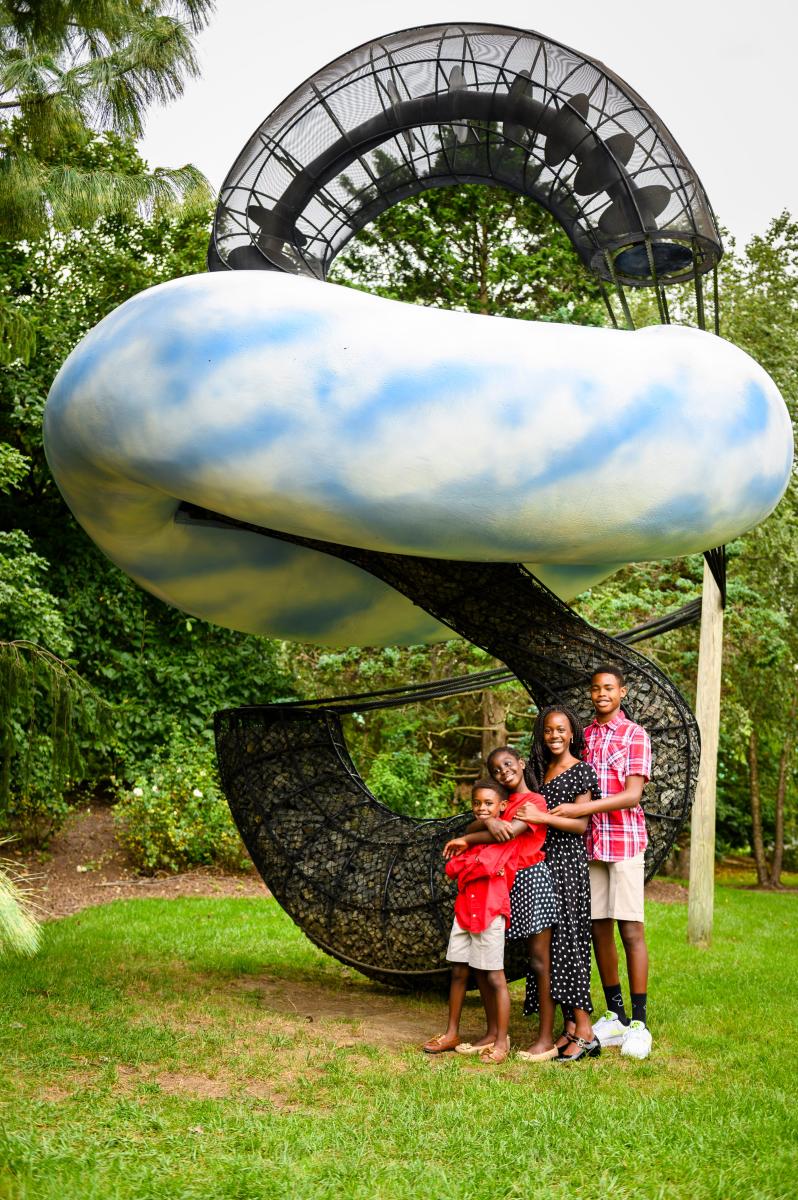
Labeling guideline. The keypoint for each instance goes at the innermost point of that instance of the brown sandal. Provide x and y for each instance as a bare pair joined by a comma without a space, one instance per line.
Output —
440,1044
495,1055
470,1048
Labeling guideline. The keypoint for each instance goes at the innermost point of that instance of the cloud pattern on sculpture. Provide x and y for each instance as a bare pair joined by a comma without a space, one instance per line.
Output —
324,412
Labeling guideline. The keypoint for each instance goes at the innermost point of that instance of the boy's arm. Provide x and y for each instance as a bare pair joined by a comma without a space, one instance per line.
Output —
630,797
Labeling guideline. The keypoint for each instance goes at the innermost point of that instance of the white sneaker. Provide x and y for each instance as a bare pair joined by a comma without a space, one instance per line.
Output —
609,1030
637,1043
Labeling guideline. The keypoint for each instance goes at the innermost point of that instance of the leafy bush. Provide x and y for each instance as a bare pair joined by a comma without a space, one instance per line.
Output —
175,816
402,779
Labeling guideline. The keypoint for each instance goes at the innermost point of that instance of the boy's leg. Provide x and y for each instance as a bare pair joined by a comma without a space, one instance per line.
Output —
539,946
457,992
633,937
602,909
606,953
457,953
488,997
496,985
628,879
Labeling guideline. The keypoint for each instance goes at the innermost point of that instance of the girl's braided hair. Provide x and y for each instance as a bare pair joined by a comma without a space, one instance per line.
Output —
530,774
540,751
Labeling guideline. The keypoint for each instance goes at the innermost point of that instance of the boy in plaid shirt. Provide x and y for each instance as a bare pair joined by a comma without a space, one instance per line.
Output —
620,751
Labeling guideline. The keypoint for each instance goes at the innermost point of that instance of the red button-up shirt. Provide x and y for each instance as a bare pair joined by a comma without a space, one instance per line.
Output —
485,872
617,749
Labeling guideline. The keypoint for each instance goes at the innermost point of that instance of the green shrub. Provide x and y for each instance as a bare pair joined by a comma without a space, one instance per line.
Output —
176,817
402,779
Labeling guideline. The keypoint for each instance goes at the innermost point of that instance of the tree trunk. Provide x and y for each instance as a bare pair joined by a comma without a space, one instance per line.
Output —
781,794
756,812
484,254
701,897
494,729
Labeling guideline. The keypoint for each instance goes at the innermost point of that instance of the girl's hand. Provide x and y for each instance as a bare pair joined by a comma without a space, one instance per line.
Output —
531,814
583,809
500,830
455,846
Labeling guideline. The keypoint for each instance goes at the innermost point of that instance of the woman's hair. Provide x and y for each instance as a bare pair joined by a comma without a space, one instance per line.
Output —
530,775
540,749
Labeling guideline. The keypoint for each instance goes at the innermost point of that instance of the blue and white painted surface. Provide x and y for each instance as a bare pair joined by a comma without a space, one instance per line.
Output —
320,411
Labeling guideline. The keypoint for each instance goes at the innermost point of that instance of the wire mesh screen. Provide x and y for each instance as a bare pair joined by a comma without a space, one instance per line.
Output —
447,104
368,885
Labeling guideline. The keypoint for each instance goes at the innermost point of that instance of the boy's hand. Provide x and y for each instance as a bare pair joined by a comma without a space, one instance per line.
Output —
455,846
532,814
500,830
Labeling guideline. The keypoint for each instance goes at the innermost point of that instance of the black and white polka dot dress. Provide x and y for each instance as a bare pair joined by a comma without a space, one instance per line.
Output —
532,900
566,859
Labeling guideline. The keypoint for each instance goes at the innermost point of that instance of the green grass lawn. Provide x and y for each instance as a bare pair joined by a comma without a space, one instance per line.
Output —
165,1049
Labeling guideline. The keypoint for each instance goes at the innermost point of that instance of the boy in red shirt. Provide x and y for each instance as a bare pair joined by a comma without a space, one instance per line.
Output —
485,871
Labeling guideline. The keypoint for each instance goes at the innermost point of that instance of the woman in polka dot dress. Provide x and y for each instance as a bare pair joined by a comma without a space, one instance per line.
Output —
558,746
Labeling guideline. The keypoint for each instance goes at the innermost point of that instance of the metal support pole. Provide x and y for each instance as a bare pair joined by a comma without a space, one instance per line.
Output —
702,826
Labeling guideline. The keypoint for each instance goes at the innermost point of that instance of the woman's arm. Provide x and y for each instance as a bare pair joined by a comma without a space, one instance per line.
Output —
628,798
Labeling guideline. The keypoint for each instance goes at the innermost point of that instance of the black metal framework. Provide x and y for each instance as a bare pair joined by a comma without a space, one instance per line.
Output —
366,884
432,107
465,103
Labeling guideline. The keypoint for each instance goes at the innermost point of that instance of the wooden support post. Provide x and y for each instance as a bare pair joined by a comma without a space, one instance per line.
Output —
702,826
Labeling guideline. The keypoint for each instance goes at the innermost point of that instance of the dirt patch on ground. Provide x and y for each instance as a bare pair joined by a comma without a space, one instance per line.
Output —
85,866
348,1017
666,893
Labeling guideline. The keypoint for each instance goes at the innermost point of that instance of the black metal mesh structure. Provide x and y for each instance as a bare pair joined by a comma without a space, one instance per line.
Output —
365,884
429,107
466,103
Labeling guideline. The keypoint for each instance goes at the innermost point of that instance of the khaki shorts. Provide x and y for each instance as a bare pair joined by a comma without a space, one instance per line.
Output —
616,889
482,951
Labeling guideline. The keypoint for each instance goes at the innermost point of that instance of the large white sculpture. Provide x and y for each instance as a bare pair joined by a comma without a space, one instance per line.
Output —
320,411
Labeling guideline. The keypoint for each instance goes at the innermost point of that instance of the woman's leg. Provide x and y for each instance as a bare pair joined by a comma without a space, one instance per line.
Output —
583,1028
568,1025
540,966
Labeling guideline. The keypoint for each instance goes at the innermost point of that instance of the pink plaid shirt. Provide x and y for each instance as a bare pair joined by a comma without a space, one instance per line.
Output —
617,749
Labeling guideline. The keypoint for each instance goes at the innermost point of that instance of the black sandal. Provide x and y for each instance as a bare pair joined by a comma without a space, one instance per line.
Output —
586,1049
570,1038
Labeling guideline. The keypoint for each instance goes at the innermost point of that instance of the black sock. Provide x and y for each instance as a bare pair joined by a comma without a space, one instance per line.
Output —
614,999
639,1001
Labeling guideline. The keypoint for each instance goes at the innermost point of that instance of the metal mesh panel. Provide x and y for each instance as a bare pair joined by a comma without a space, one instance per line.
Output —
447,104
367,885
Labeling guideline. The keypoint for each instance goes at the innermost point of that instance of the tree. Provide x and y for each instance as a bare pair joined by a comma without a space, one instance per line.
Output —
158,668
756,771
67,69
483,249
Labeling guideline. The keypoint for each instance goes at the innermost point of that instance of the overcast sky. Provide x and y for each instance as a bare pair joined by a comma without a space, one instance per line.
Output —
722,76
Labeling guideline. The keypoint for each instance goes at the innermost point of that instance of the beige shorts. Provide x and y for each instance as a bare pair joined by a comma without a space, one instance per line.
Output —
482,951
616,889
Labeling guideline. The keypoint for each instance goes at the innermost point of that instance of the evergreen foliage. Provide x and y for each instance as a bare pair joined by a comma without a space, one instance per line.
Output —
19,929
